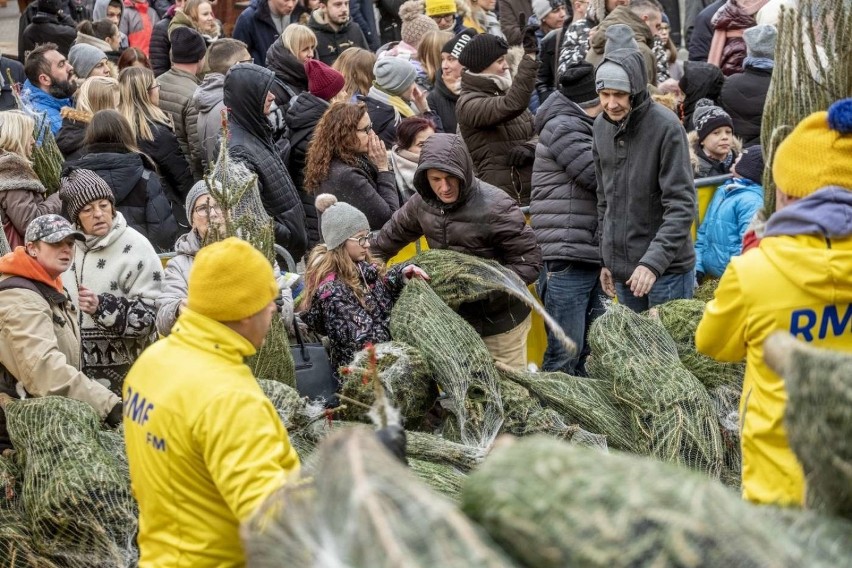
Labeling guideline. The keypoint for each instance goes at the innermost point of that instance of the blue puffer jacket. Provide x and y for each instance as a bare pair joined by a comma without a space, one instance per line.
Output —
44,102
720,236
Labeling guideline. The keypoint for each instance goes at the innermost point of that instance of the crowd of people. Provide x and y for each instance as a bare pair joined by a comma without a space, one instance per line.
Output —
369,125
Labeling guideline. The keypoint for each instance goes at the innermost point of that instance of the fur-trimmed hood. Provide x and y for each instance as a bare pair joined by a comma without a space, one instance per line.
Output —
76,115
695,160
16,173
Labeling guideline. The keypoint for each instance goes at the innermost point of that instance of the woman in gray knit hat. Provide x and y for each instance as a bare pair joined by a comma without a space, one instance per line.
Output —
349,295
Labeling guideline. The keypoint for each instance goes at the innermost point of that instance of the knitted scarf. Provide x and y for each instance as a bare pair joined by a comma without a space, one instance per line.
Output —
402,107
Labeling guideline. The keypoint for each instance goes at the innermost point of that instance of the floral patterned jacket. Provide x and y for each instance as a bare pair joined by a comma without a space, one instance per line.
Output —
349,325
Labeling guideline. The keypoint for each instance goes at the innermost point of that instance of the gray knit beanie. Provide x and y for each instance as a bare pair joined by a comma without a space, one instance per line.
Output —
81,187
611,75
394,74
339,221
760,41
198,190
84,57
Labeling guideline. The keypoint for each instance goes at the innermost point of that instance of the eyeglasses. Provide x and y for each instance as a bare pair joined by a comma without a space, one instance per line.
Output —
366,129
206,210
362,241
442,17
153,87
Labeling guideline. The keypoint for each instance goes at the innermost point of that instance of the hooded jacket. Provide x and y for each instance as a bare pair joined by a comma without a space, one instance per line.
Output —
442,101
172,165
563,208
48,28
290,76
303,115
48,104
40,339
493,122
73,131
646,200
483,222
641,32
720,236
176,281
201,476
122,268
743,97
796,281
251,143
208,100
177,87
138,193
330,42
254,27
700,81
22,195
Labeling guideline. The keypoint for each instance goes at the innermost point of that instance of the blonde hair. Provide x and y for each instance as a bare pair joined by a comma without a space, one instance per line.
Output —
135,104
97,93
297,37
356,66
429,52
16,132
323,261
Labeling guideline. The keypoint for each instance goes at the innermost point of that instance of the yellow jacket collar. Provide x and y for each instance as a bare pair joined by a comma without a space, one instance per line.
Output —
211,336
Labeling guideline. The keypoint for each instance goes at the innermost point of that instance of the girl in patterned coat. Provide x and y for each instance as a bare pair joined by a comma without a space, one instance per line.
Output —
349,295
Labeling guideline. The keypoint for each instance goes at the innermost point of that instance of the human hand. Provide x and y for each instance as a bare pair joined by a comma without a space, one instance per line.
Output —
607,282
420,100
284,305
88,301
413,271
641,281
377,152
529,41
520,156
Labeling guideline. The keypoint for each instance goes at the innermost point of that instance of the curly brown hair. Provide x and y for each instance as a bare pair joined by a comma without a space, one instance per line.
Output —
336,136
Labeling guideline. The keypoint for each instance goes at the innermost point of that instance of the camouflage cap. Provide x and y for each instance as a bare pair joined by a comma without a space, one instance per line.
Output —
51,229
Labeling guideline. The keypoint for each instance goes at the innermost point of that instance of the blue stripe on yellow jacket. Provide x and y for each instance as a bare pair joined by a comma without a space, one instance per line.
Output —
720,235
205,445
798,280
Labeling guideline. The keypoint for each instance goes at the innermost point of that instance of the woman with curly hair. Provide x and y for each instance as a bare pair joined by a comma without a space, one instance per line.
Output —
356,66
348,160
348,295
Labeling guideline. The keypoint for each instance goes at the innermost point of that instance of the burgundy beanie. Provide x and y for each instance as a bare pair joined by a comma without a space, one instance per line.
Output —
323,81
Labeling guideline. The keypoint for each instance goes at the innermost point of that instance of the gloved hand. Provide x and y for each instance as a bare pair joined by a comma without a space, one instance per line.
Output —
113,419
284,305
393,438
520,156
529,41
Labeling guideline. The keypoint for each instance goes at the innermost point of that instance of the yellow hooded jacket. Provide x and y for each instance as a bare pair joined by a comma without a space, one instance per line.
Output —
797,283
204,443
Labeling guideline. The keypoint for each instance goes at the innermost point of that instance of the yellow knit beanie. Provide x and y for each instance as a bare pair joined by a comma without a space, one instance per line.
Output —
230,280
817,154
440,7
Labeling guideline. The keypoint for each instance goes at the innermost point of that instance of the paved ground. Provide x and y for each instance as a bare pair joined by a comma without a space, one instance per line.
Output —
9,29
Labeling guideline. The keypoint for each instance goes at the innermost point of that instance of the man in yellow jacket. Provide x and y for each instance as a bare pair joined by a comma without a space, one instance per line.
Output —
205,445
797,280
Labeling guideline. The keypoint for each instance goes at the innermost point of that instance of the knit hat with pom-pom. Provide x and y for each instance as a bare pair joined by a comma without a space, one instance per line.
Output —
817,153
708,117
415,24
339,220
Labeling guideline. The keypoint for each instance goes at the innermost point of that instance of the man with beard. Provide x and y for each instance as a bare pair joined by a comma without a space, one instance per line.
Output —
49,83
334,30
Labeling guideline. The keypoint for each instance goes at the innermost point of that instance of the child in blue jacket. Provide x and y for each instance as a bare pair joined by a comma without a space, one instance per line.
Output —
734,204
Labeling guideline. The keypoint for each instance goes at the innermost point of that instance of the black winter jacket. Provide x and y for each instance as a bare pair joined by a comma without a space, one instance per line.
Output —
288,71
700,80
331,43
563,208
302,117
46,28
173,167
385,119
363,13
69,139
254,27
137,189
251,143
483,222
545,82
702,32
12,67
160,45
374,193
442,101
646,200
743,97
390,24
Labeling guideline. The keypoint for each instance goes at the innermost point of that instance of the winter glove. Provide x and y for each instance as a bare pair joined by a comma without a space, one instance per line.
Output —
393,438
113,419
520,156
284,306
529,41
